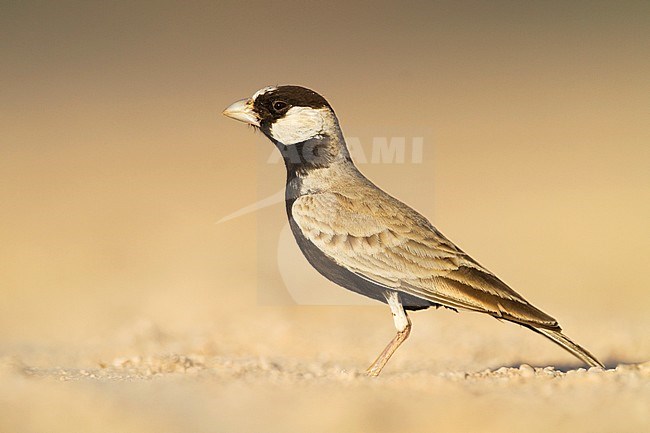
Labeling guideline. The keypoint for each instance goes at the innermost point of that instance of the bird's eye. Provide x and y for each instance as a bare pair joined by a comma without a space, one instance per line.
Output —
279,105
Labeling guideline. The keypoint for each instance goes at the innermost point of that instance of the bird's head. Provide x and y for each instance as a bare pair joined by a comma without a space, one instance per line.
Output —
288,115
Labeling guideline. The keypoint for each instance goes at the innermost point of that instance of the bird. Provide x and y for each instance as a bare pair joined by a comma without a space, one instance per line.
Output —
365,240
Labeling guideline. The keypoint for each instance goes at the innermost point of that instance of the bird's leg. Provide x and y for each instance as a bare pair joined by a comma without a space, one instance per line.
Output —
403,325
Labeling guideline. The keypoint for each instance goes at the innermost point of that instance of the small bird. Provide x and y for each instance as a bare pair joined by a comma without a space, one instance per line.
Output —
367,241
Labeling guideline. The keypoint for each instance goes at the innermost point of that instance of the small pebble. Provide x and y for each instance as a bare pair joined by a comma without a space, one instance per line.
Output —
526,370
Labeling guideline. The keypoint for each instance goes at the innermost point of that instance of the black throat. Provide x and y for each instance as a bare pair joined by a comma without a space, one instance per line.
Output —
320,152
303,158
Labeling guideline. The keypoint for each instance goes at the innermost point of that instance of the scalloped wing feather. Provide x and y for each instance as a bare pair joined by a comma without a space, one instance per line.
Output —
385,241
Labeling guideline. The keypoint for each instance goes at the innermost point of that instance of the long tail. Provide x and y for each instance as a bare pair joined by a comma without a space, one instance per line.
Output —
568,345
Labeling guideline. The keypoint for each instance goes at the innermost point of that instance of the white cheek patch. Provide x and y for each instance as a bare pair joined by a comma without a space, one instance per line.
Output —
297,125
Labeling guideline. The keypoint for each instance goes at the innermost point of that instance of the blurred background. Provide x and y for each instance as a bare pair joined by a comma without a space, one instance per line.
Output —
116,163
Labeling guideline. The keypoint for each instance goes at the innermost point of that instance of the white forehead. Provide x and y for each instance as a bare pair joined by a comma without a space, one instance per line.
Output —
263,91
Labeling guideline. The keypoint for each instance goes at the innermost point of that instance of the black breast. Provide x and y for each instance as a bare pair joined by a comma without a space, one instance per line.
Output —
330,269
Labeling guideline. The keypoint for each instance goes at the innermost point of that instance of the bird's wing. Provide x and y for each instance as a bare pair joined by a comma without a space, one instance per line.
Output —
388,243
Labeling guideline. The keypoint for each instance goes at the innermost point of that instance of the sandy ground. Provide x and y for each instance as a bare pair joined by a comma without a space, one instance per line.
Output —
125,306
453,375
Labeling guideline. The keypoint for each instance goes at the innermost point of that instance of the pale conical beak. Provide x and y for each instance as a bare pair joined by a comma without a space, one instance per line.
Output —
242,111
